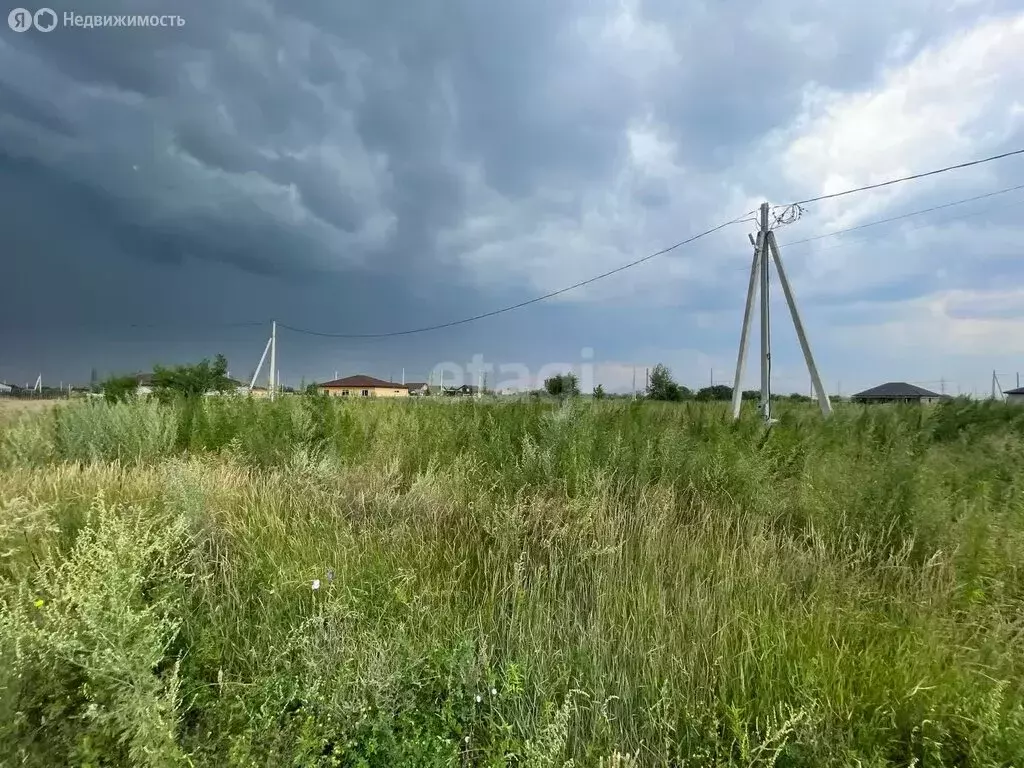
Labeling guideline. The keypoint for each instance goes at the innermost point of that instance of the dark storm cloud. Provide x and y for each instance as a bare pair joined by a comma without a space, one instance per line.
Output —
261,90
311,160
32,112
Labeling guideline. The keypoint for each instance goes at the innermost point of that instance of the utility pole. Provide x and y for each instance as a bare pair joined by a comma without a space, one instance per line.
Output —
766,247
259,366
273,357
995,382
942,386
766,326
1018,380
634,383
647,380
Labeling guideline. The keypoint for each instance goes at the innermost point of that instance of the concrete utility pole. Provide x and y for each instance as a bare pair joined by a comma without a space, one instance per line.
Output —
273,358
766,247
259,367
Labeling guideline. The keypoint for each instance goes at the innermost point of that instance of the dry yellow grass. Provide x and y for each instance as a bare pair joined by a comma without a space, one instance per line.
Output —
13,407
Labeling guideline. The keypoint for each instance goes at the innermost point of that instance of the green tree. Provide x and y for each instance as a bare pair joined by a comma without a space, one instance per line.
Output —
191,381
563,385
717,392
663,387
120,389
599,392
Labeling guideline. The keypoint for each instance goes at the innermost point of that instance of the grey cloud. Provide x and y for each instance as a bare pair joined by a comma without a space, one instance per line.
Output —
305,158
743,72
33,112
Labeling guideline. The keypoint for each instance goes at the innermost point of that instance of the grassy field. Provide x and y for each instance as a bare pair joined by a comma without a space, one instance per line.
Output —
313,583
13,408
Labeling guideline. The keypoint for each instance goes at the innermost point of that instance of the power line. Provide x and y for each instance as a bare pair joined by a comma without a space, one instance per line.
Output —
521,304
846,243
913,177
907,215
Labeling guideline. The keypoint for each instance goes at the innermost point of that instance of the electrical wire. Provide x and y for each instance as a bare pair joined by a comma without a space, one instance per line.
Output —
907,215
912,177
521,304
847,242
744,218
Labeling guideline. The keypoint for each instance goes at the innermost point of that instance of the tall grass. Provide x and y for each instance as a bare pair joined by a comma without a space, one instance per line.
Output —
511,584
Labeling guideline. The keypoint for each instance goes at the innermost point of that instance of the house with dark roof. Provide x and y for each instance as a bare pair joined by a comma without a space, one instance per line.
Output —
898,392
418,388
1015,395
466,390
363,386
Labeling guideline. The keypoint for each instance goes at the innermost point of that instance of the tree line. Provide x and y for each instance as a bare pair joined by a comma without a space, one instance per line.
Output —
660,386
192,381
174,382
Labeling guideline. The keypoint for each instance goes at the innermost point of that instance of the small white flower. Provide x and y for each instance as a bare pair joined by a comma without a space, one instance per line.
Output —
316,584
467,739
479,698
494,691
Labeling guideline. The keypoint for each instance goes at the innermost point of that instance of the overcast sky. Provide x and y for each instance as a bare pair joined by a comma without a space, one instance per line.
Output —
376,165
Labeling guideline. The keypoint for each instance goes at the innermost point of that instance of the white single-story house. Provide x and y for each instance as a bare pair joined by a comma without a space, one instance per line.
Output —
1015,395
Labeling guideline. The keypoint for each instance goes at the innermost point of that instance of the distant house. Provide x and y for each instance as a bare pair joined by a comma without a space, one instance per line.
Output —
1015,395
418,388
6,389
898,392
363,386
144,382
466,390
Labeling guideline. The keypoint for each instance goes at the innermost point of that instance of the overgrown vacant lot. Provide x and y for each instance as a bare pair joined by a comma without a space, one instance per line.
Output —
511,584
